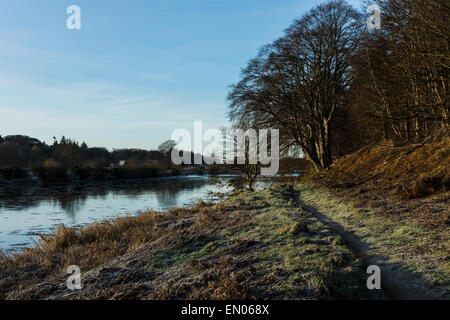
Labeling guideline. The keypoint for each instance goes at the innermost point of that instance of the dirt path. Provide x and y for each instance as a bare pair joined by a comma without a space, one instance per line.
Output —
390,282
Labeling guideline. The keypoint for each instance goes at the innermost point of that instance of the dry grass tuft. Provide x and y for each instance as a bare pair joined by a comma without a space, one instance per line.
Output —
425,185
231,286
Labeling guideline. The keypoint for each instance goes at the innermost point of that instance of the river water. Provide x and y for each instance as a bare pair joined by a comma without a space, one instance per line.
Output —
26,211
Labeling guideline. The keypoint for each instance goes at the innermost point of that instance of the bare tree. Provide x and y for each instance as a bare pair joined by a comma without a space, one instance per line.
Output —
298,82
241,144
165,149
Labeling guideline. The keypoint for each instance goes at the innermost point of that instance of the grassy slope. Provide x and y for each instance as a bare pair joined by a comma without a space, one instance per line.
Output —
396,199
254,245
407,182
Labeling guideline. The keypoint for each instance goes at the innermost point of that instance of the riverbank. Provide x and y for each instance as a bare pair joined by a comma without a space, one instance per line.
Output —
258,245
269,244
60,175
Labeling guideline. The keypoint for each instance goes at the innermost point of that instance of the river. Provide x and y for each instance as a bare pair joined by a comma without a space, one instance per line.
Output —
26,211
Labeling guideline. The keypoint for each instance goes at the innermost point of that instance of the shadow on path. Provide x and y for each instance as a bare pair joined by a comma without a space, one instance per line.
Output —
390,277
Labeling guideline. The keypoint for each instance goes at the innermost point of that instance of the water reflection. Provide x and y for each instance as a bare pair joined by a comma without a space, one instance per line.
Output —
28,210
72,199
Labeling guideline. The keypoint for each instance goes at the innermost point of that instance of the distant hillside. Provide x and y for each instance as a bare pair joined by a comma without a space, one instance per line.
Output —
24,151
20,151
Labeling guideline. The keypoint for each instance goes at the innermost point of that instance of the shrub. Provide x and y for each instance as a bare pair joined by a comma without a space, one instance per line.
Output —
424,186
136,170
51,171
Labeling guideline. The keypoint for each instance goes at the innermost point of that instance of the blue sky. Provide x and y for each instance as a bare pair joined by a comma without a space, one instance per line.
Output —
136,71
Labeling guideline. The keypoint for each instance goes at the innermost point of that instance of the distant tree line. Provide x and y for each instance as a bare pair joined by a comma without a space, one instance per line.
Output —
331,85
23,151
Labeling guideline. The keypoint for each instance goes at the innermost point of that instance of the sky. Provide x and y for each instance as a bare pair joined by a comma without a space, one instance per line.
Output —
136,70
